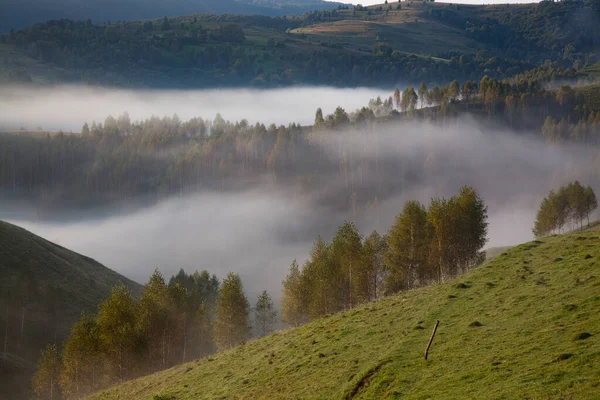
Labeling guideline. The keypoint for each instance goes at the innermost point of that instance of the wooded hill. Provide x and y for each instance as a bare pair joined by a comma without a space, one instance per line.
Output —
377,45
120,159
522,325
18,14
44,289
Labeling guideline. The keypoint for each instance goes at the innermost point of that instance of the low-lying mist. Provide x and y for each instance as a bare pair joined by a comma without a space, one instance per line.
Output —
258,232
67,108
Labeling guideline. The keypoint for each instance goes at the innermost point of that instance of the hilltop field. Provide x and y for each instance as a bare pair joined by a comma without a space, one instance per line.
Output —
523,325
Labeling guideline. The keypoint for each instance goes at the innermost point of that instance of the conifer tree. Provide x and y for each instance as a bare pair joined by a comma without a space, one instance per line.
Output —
264,314
46,377
232,325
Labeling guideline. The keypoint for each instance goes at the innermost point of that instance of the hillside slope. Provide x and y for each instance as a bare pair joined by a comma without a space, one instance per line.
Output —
43,289
524,325
377,45
17,14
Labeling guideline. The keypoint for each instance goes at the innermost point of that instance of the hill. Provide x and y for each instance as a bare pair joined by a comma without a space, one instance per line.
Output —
524,325
43,290
18,14
377,45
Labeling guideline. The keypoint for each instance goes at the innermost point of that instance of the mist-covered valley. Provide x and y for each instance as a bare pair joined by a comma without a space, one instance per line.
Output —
250,201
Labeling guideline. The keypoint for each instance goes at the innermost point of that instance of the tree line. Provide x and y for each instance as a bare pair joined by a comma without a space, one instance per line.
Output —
191,316
118,158
570,204
423,246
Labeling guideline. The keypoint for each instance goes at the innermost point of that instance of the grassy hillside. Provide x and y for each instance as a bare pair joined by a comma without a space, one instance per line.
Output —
43,290
524,325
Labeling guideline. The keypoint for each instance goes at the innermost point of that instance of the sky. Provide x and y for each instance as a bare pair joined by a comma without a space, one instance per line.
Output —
370,2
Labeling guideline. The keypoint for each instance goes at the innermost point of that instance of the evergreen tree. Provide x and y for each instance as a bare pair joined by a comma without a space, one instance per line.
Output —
264,314
46,377
232,325
85,131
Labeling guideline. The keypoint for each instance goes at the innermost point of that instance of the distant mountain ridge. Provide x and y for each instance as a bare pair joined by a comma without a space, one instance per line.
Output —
18,14
44,288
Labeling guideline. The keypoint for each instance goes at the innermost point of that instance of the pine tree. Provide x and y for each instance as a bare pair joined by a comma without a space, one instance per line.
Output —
232,325
85,131
46,377
264,314
293,305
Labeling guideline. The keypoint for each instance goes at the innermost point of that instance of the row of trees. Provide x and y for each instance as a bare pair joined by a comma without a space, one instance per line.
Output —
572,203
424,245
190,317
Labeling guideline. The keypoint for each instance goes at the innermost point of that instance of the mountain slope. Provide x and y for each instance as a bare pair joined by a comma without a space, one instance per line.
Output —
17,14
378,45
43,290
524,325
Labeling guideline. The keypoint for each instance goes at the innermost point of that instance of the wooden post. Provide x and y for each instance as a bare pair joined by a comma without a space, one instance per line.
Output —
431,339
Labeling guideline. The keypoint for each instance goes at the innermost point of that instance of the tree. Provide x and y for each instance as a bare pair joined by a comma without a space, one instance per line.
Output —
319,117
165,24
591,203
46,377
453,90
85,131
293,300
155,320
409,99
472,227
346,251
370,282
422,92
407,249
81,371
116,322
232,325
264,314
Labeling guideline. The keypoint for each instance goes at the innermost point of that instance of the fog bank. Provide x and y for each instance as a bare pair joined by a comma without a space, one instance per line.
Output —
69,107
258,232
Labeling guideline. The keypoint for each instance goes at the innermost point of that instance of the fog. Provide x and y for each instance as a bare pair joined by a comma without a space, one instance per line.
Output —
258,232
67,108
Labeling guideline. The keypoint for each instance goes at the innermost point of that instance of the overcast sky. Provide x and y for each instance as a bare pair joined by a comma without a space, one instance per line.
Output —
369,2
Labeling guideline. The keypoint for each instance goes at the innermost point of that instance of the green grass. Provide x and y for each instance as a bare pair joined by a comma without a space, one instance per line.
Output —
524,325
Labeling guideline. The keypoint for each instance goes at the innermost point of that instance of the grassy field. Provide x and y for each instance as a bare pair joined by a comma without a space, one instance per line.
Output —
524,325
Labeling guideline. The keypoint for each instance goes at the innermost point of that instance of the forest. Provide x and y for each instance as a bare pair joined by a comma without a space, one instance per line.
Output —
225,50
120,159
